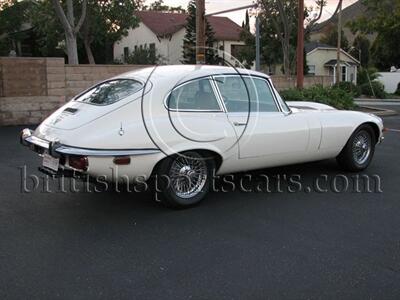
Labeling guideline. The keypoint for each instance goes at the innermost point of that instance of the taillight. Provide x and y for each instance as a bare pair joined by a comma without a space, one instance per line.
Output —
122,160
78,162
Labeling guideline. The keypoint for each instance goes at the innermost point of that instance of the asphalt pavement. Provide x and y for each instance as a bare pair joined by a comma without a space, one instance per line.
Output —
236,245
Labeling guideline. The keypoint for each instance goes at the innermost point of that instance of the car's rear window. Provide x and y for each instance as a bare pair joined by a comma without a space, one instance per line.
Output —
110,91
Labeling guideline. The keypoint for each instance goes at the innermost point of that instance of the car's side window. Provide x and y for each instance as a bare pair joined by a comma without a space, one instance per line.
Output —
240,92
194,95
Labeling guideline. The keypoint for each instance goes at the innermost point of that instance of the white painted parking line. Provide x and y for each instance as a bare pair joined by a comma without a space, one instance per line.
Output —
390,129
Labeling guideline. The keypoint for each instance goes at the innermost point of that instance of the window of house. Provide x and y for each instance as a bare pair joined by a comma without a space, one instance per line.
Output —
126,53
344,73
110,91
238,93
194,95
236,49
152,53
311,69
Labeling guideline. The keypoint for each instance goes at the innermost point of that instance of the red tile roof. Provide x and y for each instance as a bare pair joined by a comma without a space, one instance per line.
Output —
168,23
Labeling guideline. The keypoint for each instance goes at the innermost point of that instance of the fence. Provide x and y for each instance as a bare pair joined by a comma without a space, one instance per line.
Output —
32,88
284,83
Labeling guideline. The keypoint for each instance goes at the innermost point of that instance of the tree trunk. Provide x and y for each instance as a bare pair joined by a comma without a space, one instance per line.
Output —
69,27
286,57
89,52
72,49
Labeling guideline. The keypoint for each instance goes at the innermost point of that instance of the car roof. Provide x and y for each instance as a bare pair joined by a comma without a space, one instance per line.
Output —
182,73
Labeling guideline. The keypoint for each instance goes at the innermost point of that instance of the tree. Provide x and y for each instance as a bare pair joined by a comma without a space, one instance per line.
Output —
382,17
70,28
13,15
246,23
189,42
331,39
144,56
106,22
280,15
160,6
6,3
50,37
360,50
278,27
247,53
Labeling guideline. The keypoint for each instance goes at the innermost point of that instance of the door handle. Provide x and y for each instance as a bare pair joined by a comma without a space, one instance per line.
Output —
239,124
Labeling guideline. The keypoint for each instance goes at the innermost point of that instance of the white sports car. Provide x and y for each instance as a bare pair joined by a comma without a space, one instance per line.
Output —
183,123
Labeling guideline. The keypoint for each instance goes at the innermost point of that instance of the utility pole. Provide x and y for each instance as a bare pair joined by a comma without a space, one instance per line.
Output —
258,47
300,46
200,32
339,43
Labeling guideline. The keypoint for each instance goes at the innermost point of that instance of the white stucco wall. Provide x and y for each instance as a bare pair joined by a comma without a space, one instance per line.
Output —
175,47
139,36
390,80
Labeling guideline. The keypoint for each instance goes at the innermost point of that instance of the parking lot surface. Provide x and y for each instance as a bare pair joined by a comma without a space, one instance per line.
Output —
236,245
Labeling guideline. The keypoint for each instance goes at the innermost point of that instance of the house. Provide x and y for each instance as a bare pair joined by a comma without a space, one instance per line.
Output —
164,33
322,60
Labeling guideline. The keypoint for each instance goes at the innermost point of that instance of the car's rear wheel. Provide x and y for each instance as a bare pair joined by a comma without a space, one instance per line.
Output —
359,150
184,179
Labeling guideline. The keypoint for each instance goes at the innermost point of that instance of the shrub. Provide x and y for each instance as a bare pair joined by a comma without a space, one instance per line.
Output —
349,87
365,75
377,87
397,92
292,95
332,96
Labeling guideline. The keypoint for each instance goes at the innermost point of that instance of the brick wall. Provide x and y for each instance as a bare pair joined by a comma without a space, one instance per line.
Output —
284,83
32,88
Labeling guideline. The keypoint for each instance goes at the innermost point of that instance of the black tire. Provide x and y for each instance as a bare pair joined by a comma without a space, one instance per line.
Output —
355,157
165,181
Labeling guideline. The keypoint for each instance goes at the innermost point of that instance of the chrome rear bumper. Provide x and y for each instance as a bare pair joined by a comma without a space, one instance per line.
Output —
56,149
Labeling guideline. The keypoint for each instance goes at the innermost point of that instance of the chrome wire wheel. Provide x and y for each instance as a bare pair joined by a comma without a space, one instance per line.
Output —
188,175
361,147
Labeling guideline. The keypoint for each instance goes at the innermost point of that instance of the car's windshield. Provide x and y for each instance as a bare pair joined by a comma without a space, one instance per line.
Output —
110,91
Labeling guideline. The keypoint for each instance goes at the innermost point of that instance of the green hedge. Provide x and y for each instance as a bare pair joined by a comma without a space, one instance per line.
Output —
349,87
333,96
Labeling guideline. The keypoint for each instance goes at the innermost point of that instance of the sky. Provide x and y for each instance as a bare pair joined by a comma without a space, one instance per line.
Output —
238,17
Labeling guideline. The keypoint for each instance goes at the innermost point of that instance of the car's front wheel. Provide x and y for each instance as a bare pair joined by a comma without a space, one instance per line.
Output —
359,150
184,179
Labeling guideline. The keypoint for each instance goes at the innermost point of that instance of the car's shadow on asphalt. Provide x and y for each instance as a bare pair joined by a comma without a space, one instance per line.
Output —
232,189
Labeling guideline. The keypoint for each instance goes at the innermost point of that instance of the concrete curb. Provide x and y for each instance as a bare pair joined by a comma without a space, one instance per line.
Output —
380,111
377,100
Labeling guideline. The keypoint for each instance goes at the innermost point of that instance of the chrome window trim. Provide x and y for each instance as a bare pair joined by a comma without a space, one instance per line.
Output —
270,86
219,96
194,110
